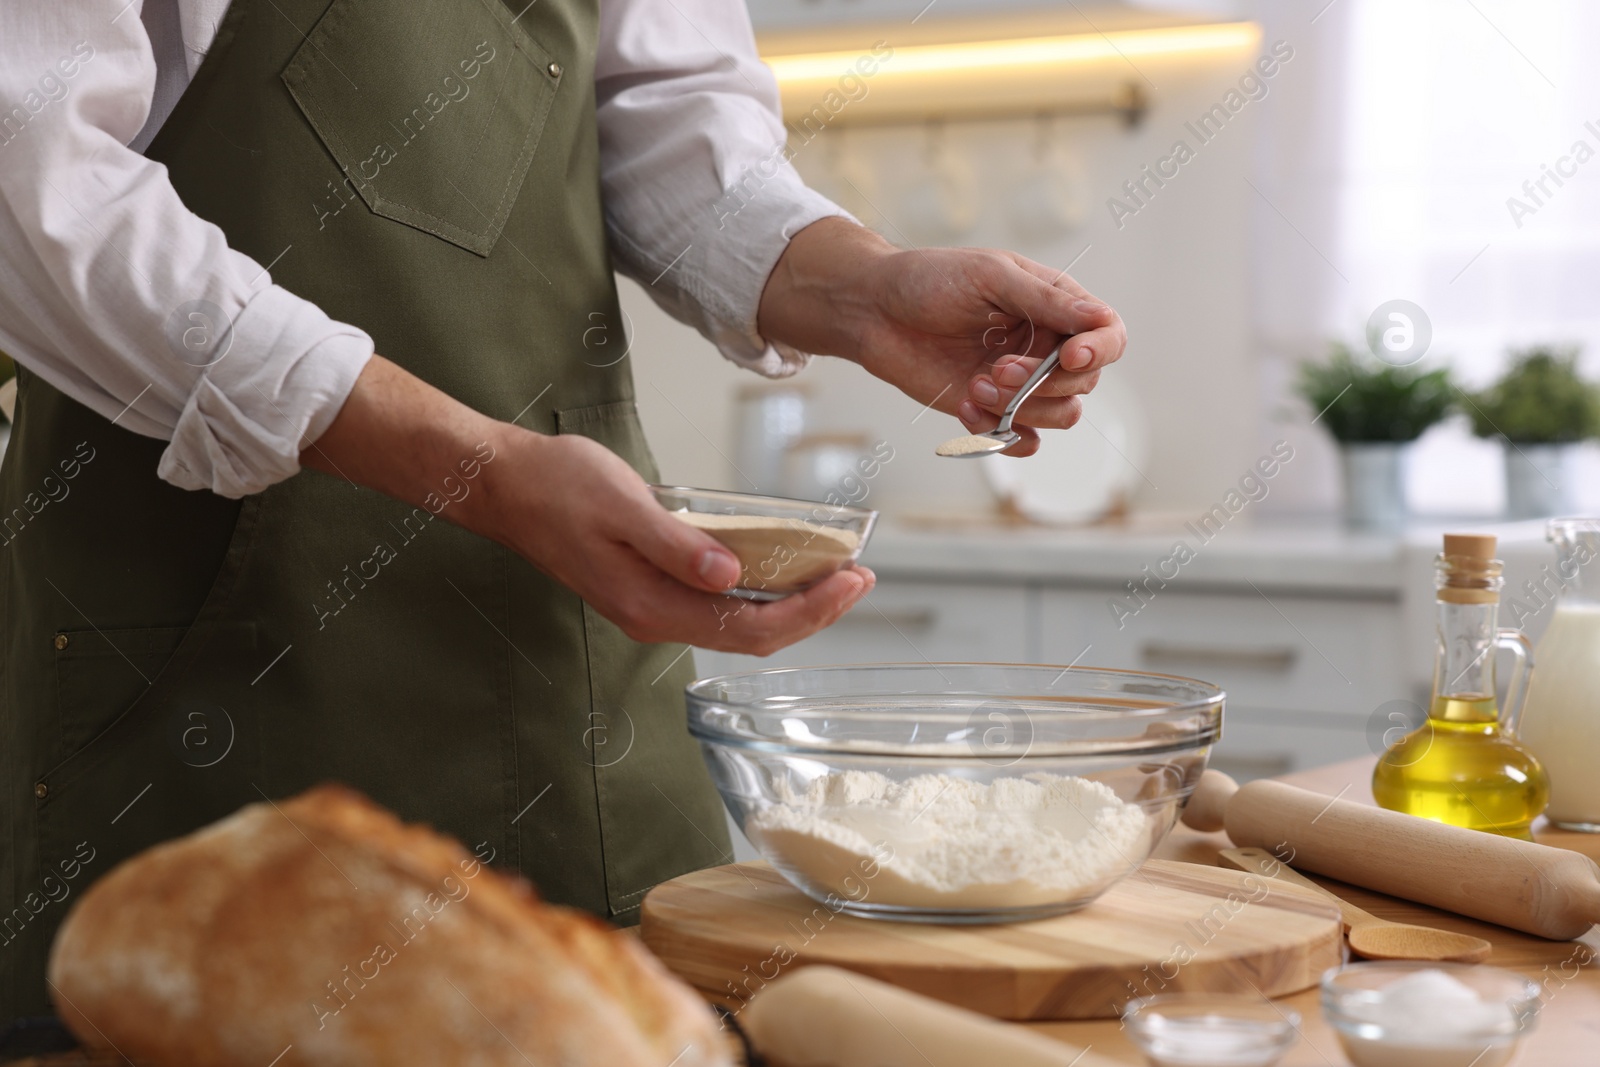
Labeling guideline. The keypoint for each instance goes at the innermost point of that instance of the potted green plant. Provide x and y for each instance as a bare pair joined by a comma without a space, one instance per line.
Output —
1374,411
1539,409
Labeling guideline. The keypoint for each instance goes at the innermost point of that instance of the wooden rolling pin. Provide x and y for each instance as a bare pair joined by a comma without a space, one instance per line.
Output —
827,1017
1550,892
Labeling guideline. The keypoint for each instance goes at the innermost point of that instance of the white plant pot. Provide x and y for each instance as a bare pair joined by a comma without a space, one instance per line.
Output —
1536,480
1374,484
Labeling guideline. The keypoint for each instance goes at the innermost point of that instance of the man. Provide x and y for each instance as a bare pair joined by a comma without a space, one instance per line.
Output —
192,625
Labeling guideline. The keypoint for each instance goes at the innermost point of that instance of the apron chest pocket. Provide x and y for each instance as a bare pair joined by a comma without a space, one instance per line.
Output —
432,109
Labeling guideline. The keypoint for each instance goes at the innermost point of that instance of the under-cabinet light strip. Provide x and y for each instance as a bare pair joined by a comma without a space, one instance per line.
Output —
1008,55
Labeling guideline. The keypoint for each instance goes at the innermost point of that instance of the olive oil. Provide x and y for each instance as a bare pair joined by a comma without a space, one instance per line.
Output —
1464,765
1461,768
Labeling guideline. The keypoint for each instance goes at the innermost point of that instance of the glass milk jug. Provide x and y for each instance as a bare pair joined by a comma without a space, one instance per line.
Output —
1562,723
1465,765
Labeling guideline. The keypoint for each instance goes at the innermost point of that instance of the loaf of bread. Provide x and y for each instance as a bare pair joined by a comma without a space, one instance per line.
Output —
322,931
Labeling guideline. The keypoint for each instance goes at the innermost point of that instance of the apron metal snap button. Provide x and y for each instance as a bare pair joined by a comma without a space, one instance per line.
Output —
41,790
554,69
61,642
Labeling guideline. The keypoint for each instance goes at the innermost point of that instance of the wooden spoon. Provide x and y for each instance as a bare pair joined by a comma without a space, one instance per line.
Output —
1370,936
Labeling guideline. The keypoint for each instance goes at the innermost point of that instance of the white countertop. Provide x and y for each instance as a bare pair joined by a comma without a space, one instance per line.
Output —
1314,557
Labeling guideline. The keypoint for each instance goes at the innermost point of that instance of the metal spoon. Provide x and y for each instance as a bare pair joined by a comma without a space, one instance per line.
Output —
1002,436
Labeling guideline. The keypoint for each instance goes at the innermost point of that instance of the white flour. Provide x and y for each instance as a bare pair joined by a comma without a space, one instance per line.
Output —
1014,842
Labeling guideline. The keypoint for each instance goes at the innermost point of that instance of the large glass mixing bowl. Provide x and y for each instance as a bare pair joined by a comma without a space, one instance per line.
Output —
954,792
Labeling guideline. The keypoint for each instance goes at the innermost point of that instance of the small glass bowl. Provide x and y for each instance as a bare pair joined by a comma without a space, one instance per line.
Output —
1210,1029
809,540
1351,995
1049,757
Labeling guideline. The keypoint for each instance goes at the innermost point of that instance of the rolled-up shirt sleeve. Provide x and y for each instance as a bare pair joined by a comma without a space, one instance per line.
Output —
700,197
115,293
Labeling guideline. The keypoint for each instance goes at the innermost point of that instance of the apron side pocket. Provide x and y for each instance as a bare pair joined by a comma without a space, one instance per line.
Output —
615,425
163,765
101,674
659,813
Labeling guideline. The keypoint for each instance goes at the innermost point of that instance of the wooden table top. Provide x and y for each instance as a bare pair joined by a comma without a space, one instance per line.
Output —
1568,1030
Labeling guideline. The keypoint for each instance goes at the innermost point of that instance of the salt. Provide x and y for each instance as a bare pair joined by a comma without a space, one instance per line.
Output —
1211,1041
1430,1019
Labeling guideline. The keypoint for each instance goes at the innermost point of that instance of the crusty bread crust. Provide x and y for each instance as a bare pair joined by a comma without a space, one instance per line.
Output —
323,932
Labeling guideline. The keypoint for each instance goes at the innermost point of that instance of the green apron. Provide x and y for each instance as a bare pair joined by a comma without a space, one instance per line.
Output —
427,170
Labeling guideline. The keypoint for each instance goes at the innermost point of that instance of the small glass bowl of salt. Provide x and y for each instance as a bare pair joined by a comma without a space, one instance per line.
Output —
1402,1014
1210,1029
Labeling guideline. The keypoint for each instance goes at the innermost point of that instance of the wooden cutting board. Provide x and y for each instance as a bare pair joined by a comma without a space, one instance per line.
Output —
1169,927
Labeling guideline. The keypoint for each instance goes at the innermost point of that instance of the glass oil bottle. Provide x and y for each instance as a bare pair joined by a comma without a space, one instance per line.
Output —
1464,764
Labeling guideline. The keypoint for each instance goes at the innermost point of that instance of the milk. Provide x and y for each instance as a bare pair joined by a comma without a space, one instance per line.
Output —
1562,721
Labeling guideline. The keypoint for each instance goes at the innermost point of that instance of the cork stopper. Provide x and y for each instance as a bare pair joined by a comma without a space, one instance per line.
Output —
1468,571
1474,546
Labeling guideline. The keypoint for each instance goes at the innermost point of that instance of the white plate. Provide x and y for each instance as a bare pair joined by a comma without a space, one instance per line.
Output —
1081,474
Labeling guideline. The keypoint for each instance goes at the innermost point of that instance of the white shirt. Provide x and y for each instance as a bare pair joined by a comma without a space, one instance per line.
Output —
101,263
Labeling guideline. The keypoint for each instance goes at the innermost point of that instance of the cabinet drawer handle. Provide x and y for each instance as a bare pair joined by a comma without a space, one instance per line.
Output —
900,619
1260,659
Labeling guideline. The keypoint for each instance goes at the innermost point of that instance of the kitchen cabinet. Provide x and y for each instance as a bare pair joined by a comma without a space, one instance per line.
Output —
1288,706
1285,651
1303,673
1316,634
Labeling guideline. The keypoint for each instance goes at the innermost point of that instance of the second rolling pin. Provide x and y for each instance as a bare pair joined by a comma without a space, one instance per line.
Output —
1549,892
822,1016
